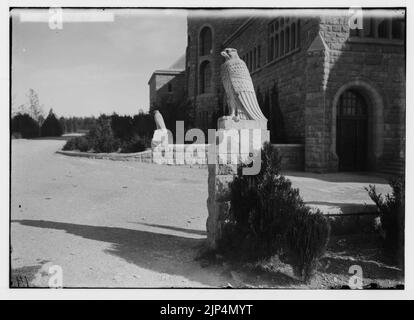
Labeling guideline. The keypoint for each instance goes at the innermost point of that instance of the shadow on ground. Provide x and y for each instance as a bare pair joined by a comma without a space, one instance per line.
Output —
162,253
169,254
176,255
189,231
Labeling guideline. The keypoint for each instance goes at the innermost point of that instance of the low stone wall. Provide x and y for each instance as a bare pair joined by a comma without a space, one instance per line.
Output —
144,156
292,156
181,154
194,155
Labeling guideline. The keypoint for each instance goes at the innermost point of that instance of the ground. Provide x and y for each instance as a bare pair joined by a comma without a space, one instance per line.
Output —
128,224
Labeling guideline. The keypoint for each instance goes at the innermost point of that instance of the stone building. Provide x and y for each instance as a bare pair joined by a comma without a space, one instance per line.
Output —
167,86
334,95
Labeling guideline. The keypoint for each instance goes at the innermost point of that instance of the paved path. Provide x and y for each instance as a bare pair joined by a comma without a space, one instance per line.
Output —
120,224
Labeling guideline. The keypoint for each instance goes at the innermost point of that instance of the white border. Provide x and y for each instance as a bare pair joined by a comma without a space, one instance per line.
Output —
6,293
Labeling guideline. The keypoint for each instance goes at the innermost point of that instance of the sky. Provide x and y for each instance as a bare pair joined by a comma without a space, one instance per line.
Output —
88,68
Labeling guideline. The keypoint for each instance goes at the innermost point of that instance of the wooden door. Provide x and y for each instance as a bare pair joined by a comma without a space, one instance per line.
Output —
351,145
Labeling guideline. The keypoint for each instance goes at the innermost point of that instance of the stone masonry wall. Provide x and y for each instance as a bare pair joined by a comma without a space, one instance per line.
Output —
377,68
285,74
221,28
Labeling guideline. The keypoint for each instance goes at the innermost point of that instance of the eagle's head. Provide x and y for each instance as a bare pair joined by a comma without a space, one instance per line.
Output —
229,53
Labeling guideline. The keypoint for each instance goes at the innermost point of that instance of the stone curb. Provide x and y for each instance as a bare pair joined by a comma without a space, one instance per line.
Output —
144,156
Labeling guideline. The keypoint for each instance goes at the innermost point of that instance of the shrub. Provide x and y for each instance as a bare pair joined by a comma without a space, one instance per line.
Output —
25,125
391,209
306,240
261,207
136,144
269,217
78,143
101,137
51,127
122,127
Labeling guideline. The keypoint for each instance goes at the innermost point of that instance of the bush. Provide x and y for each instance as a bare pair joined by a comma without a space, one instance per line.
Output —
51,127
269,217
391,209
306,240
78,143
261,207
25,125
122,127
101,137
136,144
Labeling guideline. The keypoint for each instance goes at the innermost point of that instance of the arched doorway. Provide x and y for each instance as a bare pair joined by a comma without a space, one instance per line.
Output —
352,131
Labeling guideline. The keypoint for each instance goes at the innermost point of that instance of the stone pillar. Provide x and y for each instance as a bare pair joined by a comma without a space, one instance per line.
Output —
220,174
317,129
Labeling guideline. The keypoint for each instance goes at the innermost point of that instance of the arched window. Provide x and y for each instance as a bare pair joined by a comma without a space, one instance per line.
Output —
351,103
206,41
205,77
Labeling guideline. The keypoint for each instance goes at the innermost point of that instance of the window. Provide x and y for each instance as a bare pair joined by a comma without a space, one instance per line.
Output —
282,43
397,28
351,103
380,28
383,29
293,37
287,46
205,77
206,41
283,37
169,87
252,58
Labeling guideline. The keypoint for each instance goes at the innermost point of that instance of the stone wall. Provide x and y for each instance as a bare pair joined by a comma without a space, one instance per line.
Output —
299,92
376,69
284,75
292,156
207,106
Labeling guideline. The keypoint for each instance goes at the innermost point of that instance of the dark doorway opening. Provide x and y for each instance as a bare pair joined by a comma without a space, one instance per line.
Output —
351,134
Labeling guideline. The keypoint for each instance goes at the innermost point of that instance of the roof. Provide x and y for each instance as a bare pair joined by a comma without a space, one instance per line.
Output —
166,72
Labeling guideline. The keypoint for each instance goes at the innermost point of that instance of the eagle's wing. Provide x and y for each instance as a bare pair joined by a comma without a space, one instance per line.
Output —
242,86
225,76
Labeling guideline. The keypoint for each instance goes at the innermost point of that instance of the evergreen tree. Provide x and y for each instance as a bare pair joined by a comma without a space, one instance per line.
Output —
51,127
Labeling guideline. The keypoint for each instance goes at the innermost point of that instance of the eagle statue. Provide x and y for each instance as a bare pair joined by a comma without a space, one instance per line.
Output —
160,136
241,97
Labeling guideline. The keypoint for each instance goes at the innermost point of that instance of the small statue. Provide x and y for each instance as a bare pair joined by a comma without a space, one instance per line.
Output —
160,136
241,97
159,120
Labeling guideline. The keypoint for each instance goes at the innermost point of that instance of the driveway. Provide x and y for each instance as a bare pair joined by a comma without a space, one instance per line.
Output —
126,224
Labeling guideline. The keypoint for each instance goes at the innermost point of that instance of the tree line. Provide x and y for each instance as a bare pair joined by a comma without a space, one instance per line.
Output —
28,121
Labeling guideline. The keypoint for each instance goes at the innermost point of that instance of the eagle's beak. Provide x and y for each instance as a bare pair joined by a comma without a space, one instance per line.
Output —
224,54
